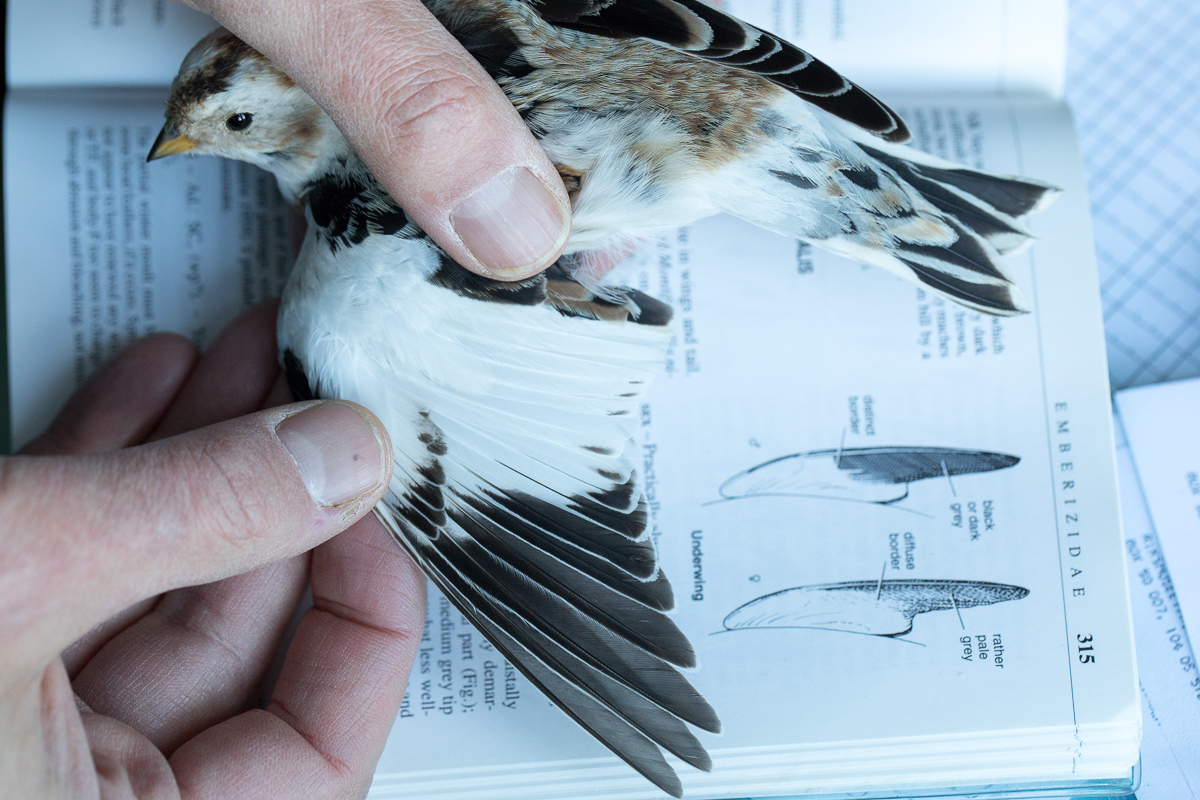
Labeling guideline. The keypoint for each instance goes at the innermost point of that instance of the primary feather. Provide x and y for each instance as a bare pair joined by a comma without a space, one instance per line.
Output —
510,409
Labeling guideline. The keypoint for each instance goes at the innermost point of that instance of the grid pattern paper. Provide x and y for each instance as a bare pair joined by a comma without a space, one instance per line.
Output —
1133,82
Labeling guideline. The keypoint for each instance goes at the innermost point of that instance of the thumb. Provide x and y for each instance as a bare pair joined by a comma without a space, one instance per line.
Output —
424,116
89,535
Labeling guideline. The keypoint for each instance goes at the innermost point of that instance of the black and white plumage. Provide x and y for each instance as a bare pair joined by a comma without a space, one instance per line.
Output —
510,405
661,112
511,408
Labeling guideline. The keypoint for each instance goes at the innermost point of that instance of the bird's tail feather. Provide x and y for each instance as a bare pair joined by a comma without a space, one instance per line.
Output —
990,205
982,214
941,225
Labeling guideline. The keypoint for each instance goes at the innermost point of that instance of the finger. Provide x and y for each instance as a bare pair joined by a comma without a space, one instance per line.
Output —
340,688
45,745
77,654
88,536
126,764
198,657
427,120
280,394
231,378
121,402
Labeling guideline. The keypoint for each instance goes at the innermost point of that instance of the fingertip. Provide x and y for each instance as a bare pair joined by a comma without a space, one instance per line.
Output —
231,378
513,226
121,402
342,453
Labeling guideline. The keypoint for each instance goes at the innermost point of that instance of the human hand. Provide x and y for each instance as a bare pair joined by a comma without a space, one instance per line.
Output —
425,118
166,575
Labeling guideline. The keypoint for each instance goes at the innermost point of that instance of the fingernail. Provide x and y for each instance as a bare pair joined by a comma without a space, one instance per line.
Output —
337,450
513,224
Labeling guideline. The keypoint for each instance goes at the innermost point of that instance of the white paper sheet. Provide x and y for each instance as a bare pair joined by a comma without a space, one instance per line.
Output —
783,351
1167,668
102,248
1162,425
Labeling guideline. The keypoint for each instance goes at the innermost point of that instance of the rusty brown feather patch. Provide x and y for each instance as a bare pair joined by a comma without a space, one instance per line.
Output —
212,77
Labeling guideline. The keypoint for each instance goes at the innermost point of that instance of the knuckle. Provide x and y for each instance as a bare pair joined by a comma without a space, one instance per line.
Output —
227,498
429,99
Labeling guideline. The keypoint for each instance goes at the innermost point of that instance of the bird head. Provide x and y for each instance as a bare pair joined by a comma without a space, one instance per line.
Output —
229,100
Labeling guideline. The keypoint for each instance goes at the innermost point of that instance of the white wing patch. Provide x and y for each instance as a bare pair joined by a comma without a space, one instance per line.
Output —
515,485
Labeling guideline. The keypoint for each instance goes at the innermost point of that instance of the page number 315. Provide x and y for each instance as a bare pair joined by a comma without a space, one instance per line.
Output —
1085,648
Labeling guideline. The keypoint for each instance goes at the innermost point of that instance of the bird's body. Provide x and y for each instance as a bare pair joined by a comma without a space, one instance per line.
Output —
511,405
651,137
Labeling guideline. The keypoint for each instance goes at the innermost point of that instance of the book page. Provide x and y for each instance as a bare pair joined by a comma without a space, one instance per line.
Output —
984,45
949,45
103,248
969,622
965,619
99,42
1163,430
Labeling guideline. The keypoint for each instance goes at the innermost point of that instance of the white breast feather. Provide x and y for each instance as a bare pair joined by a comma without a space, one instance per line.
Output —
528,399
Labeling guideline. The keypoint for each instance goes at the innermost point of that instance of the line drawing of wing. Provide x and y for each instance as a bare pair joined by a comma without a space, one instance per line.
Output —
866,474
878,608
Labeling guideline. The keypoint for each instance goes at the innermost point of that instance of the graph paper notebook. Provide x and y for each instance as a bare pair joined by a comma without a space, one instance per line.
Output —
1133,61
891,523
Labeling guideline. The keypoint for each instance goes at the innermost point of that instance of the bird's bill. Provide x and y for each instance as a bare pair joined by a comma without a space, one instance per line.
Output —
169,143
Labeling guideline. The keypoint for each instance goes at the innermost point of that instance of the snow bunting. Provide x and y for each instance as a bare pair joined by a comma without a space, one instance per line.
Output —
511,405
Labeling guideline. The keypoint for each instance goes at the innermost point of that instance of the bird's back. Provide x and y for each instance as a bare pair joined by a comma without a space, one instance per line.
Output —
653,133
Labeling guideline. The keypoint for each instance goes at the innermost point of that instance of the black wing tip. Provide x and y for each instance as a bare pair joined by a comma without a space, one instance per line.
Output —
865,110
669,784
899,134
715,727
651,311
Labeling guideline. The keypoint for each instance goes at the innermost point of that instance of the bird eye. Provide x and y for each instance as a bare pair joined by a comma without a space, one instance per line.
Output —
239,122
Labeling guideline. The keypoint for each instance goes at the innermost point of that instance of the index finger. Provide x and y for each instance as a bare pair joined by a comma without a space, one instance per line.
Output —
341,685
429,122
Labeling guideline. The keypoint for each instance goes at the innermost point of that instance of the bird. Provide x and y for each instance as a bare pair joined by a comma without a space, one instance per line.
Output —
511,405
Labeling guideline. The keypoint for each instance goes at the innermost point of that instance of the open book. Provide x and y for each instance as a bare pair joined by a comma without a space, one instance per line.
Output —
891,523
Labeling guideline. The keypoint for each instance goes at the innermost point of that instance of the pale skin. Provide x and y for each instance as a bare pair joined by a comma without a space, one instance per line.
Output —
149,575
158,536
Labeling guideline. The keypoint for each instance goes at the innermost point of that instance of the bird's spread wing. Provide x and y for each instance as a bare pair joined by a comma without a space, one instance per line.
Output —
701,30
515,488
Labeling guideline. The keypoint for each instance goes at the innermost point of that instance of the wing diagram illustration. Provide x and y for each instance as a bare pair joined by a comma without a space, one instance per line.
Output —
870,474
879,607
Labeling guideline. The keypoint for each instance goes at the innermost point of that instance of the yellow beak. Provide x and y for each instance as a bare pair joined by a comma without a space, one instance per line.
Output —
169,143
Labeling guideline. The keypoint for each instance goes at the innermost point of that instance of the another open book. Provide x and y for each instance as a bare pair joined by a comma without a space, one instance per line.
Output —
891,523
